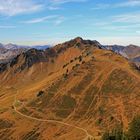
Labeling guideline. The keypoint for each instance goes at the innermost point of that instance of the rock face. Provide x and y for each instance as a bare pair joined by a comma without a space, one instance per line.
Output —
77,82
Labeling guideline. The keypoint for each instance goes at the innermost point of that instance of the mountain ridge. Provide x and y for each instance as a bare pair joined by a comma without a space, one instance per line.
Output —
131,51
78,42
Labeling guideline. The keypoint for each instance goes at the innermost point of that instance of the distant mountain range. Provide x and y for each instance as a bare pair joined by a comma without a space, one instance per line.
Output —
131,52
11,46
10,51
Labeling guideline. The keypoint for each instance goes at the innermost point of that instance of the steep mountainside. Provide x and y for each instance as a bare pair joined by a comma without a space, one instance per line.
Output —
73,91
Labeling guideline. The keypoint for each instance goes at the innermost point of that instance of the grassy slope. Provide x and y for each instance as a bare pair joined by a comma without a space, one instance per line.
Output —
96,95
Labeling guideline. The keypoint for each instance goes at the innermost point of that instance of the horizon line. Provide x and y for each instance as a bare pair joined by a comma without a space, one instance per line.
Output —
121,41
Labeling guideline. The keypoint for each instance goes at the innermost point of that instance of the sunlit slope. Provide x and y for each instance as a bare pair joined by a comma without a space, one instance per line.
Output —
87,87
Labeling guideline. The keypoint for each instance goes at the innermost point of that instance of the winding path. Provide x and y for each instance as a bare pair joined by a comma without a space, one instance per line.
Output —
88,136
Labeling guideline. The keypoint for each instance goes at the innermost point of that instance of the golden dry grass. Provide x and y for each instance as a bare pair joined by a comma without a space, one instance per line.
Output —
98,93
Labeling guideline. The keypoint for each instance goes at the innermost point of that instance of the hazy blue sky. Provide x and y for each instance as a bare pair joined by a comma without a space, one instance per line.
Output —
52,21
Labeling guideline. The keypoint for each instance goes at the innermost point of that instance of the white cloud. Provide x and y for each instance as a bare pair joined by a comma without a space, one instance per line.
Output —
125,19
128,3
15,7
56,4
129,22
59,20
53,8
39,20
53,18
65,1
128,18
